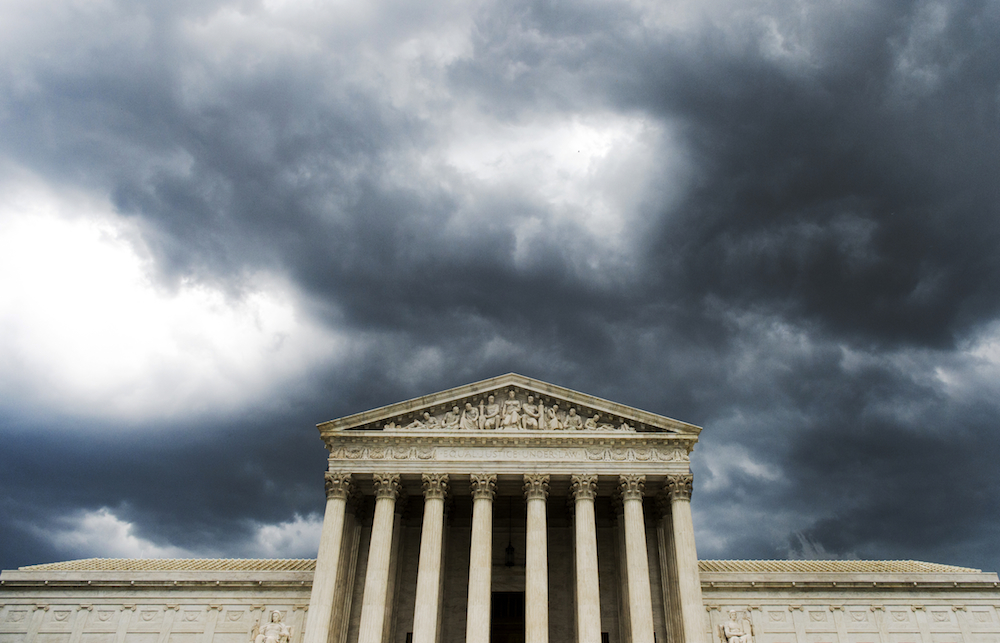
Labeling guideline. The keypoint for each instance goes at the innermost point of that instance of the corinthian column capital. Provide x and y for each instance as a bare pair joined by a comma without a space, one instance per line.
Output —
386,485
338,484
631,486
435,485
536,486
678,486
584,486
484,485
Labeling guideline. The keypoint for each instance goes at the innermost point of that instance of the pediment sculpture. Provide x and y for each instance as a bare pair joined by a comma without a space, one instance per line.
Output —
519,411
509,402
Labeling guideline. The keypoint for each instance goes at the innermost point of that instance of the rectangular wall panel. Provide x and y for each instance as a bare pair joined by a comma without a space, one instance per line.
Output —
97,637
141,637
230,637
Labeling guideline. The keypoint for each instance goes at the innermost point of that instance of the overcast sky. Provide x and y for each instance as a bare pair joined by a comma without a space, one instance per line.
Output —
223,222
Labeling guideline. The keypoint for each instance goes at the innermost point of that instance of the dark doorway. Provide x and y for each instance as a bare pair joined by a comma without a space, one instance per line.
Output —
507,617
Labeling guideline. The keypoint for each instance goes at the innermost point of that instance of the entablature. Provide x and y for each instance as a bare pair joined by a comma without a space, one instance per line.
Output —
553,452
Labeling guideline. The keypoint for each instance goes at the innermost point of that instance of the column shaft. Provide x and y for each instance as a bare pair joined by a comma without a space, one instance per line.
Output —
536,573
389,623
477,625
338,485
588,595
379,551
426,607
624,620
343,594
688,579
637,560
668,571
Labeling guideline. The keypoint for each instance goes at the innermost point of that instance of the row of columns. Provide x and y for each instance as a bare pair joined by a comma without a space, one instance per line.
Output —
583,490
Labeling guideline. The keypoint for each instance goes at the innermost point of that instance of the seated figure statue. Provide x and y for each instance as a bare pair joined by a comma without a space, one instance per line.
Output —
273,631
532,414
452,418
735,630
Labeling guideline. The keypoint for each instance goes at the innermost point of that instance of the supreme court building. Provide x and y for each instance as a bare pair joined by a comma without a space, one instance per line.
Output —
506,511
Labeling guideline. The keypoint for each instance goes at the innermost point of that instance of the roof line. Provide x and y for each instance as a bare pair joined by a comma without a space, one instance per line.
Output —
308,564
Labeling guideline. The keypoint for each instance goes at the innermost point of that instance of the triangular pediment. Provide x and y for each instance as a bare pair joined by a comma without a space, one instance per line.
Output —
519,404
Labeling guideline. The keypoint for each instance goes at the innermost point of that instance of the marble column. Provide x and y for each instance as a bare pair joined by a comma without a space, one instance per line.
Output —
338,487
636,559
350,547
536,573
583,489
668,570
427,606
678,488
379,553
624,622
477,624
395,569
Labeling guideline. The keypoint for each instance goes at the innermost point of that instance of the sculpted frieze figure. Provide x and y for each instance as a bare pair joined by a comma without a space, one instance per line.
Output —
511,412
452,418
594,424
489,414
675,455
552,418
429,422
274,631
736,630
470,417
518,410
531,414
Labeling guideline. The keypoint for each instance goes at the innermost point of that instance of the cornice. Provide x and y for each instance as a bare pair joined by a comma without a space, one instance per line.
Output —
849,585
298,580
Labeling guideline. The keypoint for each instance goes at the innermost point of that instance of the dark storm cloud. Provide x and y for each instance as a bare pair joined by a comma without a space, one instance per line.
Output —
848,189
829,251
841,178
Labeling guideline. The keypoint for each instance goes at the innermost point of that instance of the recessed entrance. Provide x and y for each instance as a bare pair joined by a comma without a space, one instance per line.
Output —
507,617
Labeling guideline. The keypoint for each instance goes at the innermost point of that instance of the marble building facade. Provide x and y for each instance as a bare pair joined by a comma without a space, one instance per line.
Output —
509,510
